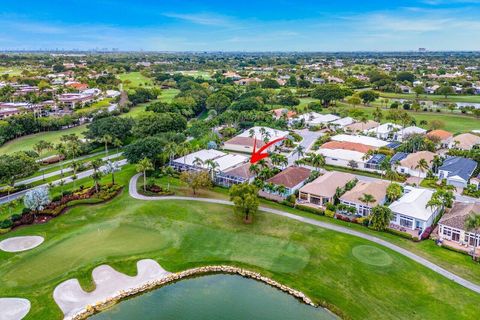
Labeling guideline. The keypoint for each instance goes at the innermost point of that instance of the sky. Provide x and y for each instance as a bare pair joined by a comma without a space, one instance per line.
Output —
280,25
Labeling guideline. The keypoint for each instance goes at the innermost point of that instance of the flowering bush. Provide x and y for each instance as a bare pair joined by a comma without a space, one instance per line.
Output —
426,233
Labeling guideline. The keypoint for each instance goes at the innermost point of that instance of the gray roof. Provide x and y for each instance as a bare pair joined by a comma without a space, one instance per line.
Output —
459,166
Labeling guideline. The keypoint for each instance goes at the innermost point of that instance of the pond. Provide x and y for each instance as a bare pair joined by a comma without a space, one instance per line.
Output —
214,297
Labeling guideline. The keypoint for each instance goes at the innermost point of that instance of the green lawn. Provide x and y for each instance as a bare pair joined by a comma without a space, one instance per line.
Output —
197,74
167,96
136,80
351,275
27,142
95,106
454,122
431,97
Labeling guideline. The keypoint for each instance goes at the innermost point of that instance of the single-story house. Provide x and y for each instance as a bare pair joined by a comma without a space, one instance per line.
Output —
451,226
235,175
410,164
466,141
322,190
384,131
245,141
411,211
283,112
341,123
292,178
316,119
200,160
361,127
457,171
404,133
369,141
445,138
378,189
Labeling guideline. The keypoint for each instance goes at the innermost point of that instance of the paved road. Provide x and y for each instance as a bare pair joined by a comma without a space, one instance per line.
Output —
80,175
58,172
463,282
309,138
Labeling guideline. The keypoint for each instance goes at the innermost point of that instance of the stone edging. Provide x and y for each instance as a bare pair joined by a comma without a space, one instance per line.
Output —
172,277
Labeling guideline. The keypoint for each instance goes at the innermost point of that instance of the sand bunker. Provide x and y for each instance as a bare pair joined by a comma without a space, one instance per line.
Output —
72,299
13,308
17,244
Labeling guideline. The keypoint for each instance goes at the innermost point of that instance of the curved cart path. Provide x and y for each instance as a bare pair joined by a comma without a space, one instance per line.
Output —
463,282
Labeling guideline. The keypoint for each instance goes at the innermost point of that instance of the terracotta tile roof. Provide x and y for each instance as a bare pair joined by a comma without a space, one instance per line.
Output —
360,126
377,189
456,216
326,185
345,145
79,86
245,141
242,171
441,134
290,177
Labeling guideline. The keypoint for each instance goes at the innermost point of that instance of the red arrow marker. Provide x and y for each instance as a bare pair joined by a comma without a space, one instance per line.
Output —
258,155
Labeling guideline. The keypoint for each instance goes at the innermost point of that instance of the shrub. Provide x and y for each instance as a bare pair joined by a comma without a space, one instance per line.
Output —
330,206
310,209
6,224
329,213
15,217
25,210
400,233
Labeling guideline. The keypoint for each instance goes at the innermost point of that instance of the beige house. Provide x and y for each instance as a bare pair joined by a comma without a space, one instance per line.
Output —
322,190
466,141
378,189
410,164
445,138
360,126
452,225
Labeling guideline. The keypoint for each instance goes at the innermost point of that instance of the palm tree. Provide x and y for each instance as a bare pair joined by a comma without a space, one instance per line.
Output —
40,147
143,166
281,189
254,168
106,139
299,150
437,161
472,223
212,165
422,165
171,149
197,162
75,166
97,175
317,160
367,199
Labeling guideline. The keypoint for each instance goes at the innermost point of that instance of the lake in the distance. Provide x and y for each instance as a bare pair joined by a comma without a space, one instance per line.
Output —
214,297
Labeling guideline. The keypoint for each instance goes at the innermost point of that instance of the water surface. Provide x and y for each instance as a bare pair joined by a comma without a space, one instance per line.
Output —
214,297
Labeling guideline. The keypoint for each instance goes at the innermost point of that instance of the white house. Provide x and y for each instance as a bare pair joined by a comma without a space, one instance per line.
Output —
408,131
341,123
369,141
411,211
316,119
385,131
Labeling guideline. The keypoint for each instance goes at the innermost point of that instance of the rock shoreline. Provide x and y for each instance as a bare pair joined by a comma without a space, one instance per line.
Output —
173,277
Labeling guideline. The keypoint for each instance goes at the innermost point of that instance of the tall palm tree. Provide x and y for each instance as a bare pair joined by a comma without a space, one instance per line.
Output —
437,161
472,223
212,165
106,139
281,189
367,199
422,165
317,161
198,162
300,151
143,166
96,164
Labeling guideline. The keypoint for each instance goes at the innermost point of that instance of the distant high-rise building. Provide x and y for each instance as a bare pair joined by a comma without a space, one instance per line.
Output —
422,49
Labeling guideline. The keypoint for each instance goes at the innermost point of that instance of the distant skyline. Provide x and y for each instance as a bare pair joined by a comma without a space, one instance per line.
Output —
438,25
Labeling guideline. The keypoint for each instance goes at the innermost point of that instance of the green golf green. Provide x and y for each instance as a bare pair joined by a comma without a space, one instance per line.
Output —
183,234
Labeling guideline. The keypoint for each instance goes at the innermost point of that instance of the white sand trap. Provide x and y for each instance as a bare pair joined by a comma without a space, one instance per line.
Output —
17,244
13,308
71,298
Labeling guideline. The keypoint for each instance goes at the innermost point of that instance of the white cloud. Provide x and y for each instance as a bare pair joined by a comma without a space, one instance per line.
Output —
206,19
